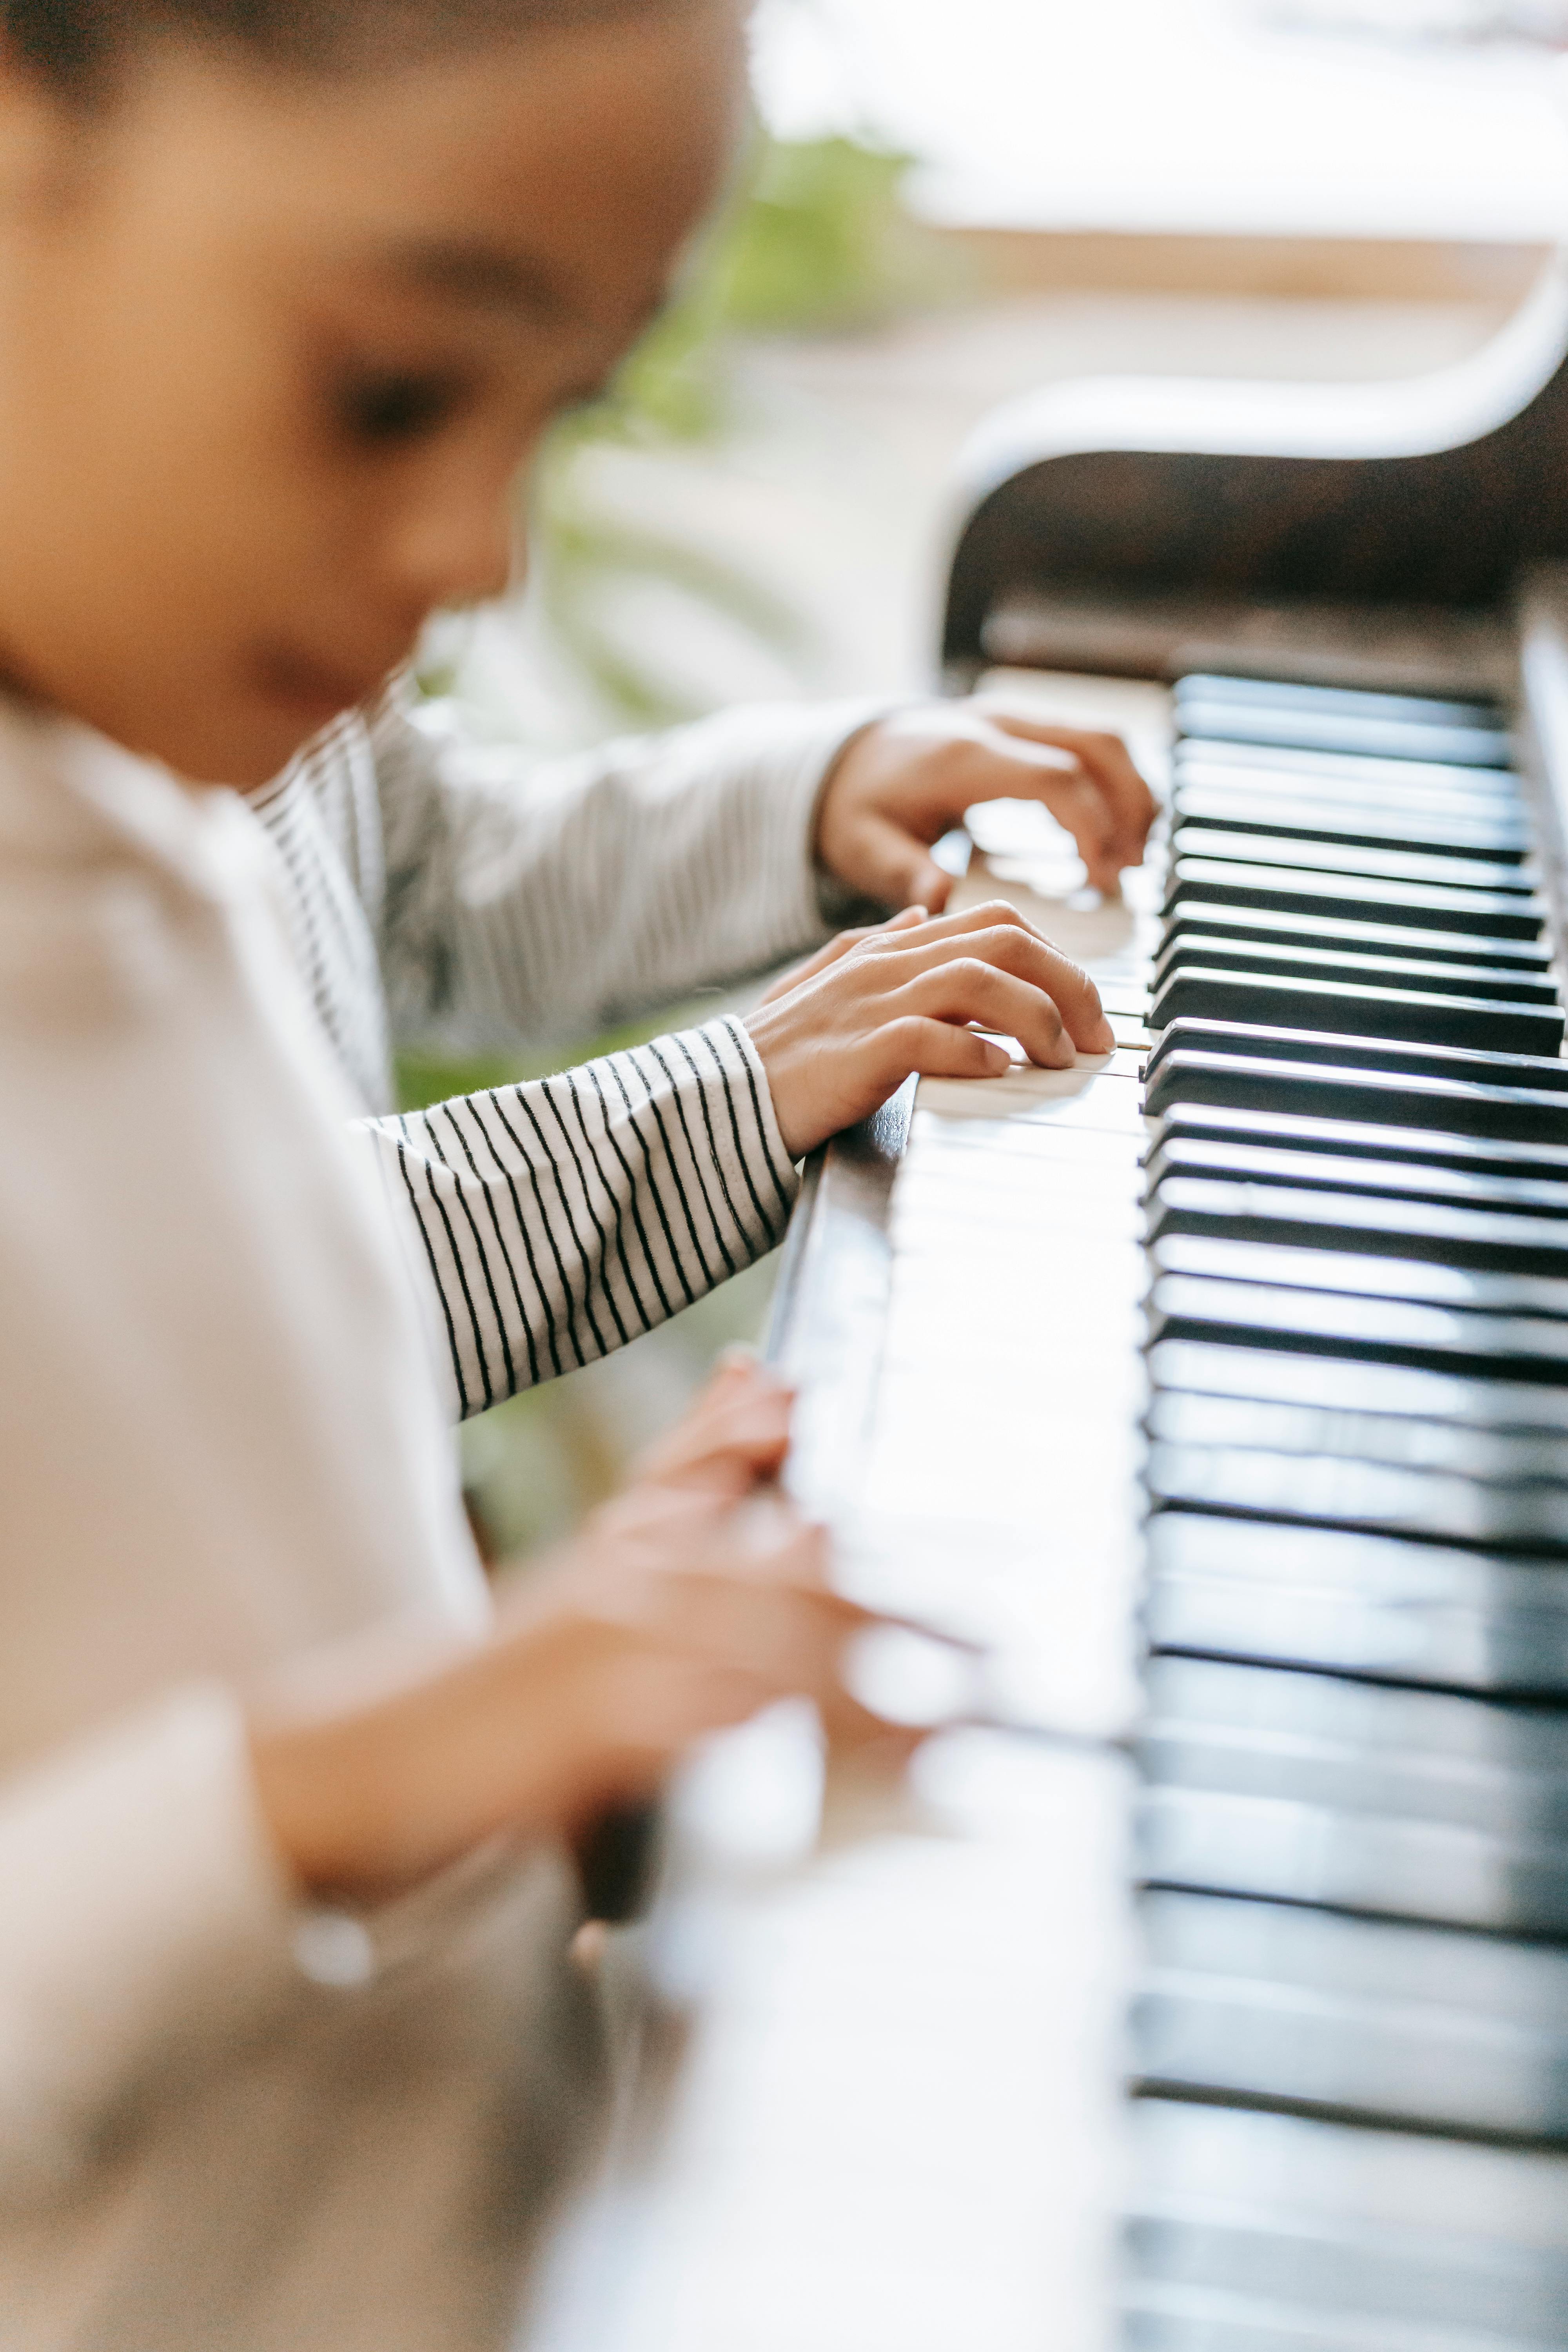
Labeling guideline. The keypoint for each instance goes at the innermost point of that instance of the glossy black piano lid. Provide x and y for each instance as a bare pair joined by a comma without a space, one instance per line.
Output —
1450,526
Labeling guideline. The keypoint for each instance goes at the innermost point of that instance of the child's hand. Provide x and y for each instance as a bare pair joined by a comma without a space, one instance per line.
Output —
840,944
899,785
877,1004
735,1433
675,1615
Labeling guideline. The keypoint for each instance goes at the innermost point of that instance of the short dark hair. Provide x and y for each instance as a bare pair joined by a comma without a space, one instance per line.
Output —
78,45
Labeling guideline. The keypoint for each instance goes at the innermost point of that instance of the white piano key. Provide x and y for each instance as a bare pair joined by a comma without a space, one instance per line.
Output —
1094,1094
1017,1182
1229,2157
921,1972
984,1140
1051,1602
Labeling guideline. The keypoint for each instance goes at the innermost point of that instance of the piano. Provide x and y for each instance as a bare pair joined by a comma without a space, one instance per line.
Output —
1206,1988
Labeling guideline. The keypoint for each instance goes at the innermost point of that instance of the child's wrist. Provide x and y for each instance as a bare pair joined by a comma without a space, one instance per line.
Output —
316,1792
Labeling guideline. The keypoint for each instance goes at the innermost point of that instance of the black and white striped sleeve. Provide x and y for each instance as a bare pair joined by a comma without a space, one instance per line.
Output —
562,1218
557,898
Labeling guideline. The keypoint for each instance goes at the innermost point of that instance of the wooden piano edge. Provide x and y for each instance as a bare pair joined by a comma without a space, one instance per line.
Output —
1541,688
831,1303
1152,635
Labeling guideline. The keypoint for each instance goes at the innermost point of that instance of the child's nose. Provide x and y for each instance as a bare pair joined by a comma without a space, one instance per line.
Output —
455,550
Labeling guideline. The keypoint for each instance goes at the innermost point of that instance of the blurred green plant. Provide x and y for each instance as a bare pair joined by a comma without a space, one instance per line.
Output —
814,240
817,240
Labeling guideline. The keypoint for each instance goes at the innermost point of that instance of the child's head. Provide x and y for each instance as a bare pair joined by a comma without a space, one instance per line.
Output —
287,289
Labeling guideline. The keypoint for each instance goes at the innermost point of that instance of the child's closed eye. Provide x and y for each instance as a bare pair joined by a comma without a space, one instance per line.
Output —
381,406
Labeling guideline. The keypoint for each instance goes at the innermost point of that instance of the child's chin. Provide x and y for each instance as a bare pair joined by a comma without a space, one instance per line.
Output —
242,750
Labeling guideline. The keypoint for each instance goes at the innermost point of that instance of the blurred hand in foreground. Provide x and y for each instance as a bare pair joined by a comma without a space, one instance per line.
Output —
735,1434
686,1605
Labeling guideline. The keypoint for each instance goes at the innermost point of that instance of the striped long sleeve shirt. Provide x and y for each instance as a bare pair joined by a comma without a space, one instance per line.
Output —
447,891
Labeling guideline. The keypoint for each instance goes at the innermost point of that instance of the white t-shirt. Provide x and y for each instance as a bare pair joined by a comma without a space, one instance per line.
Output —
221,1452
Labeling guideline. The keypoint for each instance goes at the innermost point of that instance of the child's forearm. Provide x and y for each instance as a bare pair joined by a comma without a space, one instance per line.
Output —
620,1664
684,1607
558,1219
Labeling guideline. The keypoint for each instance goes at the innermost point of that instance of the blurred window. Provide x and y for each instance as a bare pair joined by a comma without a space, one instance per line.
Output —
1437,119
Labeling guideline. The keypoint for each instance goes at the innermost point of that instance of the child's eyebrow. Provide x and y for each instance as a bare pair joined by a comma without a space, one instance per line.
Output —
488,277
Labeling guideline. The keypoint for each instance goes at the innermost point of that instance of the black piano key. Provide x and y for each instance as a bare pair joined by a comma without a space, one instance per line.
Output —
1208,719
1380,1865
1257,2232
1249,1163
1478,1155
1201,808
1257,778
1444,1234
1353,1008
1284,2005
1377,1329
1357,1961
1400,1395
1241,692
1245,1082
1266,2283
1344,966
1360,1357
1494,1766
1340,1602
1506,1457
1309,927
1312,771
1480,1064
1478,914
1413,869
1356,1274
1373,1498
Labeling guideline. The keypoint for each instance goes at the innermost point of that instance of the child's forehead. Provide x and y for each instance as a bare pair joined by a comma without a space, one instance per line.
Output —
537,182
83,49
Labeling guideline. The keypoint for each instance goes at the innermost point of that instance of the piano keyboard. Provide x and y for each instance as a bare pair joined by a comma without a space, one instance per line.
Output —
1315,1437
1350,2042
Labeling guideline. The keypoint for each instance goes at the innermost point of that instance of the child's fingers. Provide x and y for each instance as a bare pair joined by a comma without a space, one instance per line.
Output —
990,935
656,1522
983,915
737,1432
662,1708
994,933
931,1048
960,994
836,948
1107,767
893,864
791,1639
